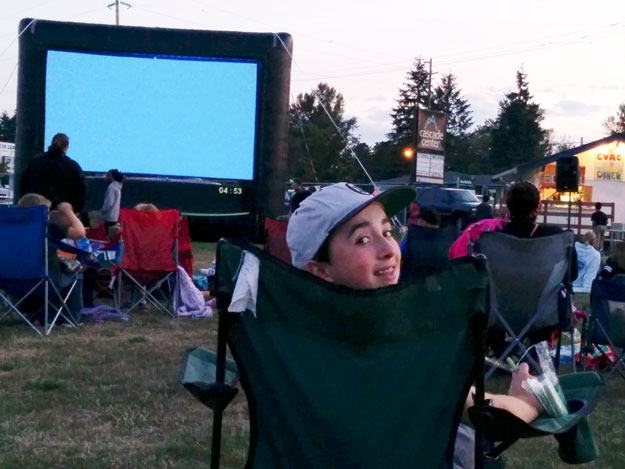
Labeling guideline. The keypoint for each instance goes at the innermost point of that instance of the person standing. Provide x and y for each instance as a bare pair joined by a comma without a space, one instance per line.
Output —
599,225
56,176
112,198
485,209
300,194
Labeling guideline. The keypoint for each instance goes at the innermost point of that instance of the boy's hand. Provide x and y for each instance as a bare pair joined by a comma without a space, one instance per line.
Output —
516,390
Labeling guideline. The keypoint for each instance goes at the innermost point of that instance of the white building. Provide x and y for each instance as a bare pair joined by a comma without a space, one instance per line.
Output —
601,174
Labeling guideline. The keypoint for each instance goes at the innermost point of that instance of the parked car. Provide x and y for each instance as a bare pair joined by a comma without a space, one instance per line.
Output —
456,205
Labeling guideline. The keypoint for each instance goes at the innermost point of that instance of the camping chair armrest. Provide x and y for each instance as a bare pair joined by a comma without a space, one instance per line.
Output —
499,424
81,255
581,390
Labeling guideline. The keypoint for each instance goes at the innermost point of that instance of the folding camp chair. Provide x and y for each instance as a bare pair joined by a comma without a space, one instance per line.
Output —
27,274
607,321
530,286
343,378
149,258
275,239
426,250
185,249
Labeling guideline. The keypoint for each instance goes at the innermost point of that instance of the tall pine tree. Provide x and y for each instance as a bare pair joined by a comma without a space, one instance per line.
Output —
448,98
317,152
517,136
7,127
415,90
616,124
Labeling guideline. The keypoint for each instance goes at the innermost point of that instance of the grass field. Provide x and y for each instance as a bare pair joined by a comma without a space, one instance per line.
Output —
107,396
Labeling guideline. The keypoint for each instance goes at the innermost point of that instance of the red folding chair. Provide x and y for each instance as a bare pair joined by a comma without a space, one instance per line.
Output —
275,239
185,253
149,257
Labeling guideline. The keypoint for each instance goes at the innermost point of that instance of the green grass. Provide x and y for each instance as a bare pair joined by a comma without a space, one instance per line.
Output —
203,255
107,396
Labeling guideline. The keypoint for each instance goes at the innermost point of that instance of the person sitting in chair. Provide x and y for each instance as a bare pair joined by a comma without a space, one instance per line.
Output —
615,264
425,250
588,262
344,236
62,223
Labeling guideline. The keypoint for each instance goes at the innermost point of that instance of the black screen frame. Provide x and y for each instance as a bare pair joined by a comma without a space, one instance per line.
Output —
201,197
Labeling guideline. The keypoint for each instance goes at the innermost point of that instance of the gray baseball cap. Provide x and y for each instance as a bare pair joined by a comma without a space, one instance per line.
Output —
325,210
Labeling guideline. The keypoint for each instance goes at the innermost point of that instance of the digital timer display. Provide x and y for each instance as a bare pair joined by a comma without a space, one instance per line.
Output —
229,190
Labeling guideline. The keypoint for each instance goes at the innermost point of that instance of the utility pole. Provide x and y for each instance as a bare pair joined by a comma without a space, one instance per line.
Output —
413,175
116,5
430,86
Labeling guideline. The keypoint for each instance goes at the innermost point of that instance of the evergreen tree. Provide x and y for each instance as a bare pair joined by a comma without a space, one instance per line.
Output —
616,124
317,152
517,136
414,91
447,98
477,150
386,161
7,127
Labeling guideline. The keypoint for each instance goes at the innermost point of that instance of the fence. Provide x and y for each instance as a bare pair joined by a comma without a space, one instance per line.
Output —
557,213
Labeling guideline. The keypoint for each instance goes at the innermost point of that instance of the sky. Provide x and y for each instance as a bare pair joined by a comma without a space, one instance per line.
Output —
571,50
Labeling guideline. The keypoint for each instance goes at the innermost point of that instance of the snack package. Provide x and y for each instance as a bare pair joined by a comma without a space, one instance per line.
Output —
546,387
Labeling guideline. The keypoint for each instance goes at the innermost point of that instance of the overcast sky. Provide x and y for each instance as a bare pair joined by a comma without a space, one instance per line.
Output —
572,50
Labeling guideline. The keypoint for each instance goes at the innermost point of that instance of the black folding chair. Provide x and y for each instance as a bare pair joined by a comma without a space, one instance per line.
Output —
530,288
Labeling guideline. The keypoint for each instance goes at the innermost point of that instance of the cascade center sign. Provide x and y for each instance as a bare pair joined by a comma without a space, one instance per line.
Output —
430,158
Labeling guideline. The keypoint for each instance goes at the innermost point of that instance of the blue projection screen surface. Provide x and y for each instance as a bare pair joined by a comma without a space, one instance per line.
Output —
154,115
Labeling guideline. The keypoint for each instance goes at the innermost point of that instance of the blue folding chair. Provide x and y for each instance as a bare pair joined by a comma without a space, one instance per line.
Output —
25,273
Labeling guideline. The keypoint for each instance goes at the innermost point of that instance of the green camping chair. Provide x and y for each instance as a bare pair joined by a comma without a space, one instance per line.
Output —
342,378
338,378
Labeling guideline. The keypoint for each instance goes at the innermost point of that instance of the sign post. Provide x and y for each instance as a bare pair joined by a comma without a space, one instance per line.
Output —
430,151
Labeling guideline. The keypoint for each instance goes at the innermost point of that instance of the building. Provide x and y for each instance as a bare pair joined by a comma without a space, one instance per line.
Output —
601,172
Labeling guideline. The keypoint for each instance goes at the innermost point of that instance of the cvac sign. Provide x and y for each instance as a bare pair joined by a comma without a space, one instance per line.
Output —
609,157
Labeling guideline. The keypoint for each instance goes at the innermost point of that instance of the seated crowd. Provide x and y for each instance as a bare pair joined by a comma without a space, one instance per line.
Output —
344,236
64,226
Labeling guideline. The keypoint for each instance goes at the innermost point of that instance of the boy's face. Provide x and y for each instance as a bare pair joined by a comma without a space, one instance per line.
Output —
363,252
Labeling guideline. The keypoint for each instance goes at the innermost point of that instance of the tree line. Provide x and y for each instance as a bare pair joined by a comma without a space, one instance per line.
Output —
323,150
317,152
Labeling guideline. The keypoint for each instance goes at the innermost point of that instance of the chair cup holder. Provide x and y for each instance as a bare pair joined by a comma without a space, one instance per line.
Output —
574,405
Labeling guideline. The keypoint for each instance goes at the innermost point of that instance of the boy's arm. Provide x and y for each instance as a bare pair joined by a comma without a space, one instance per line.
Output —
518,401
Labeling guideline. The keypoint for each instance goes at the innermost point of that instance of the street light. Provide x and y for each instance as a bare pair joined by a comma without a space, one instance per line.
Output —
407,153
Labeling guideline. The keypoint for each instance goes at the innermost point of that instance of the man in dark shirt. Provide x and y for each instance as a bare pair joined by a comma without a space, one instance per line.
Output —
599,224
300,194
56,176
485,209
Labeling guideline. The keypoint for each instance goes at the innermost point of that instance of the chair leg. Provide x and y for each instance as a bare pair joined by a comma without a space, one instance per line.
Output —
573,347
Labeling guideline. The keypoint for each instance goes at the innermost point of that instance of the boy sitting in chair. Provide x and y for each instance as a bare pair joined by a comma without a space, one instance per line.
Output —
344,236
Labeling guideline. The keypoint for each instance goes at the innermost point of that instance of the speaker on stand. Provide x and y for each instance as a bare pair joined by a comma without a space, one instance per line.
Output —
567,178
